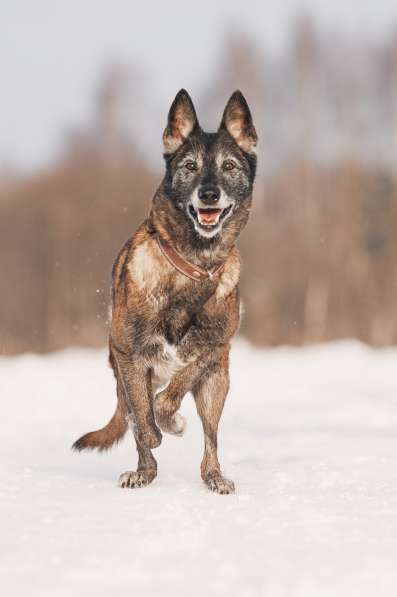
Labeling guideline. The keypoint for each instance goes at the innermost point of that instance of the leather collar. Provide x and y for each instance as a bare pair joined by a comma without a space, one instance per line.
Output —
194,272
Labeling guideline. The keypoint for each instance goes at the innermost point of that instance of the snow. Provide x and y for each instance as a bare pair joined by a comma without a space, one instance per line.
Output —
308,435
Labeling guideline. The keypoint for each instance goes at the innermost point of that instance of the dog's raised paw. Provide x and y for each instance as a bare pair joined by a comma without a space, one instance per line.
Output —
134,479
178,425
174,425
219,484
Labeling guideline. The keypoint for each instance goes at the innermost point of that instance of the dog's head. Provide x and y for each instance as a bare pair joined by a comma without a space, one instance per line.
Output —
209,176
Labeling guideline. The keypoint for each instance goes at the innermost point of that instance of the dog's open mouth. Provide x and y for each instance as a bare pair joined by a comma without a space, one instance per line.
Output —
209,216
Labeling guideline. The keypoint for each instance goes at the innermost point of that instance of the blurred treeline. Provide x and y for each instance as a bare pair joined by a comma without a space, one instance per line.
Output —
320,252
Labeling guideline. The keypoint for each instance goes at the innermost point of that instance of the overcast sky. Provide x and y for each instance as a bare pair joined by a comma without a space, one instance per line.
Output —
52,53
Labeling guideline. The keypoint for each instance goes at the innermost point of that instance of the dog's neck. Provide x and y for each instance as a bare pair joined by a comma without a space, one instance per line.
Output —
174,226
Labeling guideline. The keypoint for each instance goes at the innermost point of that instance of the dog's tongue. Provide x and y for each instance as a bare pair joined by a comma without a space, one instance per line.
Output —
209,216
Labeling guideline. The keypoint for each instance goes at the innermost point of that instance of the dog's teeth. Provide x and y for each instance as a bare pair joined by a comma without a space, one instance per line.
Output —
209,217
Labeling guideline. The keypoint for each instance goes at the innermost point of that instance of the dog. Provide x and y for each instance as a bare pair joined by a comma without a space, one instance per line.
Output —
175,297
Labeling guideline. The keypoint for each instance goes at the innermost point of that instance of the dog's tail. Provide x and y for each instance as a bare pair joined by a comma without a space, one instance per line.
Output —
104,438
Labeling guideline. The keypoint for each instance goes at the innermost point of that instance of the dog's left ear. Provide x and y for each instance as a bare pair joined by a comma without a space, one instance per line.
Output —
182,121
237,120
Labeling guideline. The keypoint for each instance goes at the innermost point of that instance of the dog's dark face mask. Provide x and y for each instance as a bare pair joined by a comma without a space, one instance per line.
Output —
209,176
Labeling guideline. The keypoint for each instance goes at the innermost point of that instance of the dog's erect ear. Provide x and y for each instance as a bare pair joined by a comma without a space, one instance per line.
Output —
182,120
237,120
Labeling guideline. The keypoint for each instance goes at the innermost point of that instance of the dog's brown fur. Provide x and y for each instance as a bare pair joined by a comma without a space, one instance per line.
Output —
168,328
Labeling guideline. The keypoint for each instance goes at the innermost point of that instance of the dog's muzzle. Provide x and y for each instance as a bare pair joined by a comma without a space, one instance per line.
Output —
209,207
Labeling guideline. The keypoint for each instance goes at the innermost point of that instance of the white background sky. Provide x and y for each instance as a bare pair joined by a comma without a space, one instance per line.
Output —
52,53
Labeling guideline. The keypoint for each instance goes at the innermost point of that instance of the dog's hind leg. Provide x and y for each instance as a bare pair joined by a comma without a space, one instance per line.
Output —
210,394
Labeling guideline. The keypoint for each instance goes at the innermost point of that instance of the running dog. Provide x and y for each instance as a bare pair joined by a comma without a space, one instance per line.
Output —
175,298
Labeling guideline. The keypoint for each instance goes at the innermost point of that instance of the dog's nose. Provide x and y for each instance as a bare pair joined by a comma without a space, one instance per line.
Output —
209,195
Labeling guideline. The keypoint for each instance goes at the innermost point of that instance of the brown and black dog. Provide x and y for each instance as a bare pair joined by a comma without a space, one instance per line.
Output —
175,299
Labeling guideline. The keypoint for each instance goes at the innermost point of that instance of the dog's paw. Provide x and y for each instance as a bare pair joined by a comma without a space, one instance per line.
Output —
175,425
134,479
219,484
166,416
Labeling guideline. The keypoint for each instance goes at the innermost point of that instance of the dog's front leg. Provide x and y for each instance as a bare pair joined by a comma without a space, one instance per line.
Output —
133,374
168,401
204,342
210,393
208,379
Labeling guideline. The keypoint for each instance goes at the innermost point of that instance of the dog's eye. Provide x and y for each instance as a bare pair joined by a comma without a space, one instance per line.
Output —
229,165
190,165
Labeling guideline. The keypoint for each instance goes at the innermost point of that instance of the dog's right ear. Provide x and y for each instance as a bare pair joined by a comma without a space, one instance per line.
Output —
237,121
182,121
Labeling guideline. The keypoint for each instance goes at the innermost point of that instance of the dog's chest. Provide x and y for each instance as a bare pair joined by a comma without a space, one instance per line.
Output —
173,307
166,303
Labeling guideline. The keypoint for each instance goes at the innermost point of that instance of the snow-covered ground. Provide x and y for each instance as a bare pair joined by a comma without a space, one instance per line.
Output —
309,436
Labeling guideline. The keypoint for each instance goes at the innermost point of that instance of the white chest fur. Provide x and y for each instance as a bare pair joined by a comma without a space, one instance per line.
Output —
165,366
